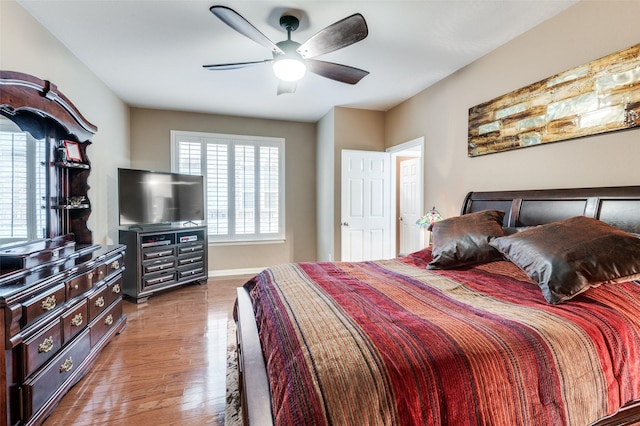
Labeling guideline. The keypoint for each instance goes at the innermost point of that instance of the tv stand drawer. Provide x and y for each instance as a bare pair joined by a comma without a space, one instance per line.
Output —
157,254
191,259
159,279
160,265
192,271
190,249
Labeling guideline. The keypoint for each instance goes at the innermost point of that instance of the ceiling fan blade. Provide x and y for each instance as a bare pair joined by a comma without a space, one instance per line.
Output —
244,27
218,67
286,87
341,73
340,34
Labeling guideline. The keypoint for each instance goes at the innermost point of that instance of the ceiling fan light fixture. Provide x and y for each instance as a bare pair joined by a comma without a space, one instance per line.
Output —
291,59
289,69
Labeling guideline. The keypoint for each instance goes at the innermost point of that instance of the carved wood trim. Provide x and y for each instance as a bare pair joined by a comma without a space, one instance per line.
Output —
24,92
37,106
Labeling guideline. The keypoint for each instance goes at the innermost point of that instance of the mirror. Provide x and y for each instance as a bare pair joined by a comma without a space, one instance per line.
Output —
23,185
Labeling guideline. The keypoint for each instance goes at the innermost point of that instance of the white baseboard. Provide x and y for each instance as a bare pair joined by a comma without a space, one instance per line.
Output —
233,272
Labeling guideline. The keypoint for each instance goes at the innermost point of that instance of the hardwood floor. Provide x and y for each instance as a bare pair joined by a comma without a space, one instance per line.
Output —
168,366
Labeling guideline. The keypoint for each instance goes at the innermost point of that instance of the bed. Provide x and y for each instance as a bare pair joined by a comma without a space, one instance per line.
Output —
535,320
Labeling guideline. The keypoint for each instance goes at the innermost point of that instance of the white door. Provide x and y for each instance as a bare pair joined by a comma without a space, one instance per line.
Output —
411,235
366,205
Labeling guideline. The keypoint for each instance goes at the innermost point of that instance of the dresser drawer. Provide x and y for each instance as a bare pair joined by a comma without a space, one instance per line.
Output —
74,320
82,283
45,302
104,322
114,265
114,290
101,271
38,349
101,299
38,389
97,303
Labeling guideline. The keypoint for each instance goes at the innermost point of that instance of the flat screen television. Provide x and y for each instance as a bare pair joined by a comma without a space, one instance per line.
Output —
149,198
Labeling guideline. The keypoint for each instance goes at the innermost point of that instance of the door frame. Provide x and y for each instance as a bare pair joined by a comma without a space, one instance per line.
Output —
415,146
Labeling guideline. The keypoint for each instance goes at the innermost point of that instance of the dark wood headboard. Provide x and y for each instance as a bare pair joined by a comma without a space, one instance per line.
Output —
618,206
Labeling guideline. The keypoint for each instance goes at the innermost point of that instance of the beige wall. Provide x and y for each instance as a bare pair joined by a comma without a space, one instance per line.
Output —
151,149
584,32
325,164
353,129
27,47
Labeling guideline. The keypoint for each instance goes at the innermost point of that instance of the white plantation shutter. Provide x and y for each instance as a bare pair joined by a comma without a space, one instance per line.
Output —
23,211
245,189
244,176
190,158
217,178
269,189
40,189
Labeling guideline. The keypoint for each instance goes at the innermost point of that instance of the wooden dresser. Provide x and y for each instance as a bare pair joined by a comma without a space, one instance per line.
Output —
60,294
61,304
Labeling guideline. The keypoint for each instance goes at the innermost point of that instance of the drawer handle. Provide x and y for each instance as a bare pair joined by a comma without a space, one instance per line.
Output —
46,345
115,264
49,303
101,272
115,289
91,275
100,302
67,365
109,319
77,320
75,286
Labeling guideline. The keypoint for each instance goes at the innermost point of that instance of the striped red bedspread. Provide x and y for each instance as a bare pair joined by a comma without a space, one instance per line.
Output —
389,342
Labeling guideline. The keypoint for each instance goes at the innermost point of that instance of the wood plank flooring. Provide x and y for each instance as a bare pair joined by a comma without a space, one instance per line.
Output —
168,366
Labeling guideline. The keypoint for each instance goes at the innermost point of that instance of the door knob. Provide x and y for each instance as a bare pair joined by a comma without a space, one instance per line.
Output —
345,224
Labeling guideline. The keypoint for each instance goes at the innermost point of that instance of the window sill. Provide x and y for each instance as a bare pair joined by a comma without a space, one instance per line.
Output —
246,242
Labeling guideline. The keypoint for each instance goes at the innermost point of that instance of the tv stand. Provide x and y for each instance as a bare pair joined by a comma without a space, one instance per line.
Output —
162,258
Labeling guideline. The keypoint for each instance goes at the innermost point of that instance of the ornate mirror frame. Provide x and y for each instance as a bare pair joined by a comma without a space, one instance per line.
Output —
38,107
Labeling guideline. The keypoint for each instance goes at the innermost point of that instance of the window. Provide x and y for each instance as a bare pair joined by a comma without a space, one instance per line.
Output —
244,181
23,211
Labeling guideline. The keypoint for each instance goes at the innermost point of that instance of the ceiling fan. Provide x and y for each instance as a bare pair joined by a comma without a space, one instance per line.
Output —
292,59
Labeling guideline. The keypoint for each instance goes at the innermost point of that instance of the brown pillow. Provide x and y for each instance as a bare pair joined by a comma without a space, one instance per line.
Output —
568,257
515,229
464,240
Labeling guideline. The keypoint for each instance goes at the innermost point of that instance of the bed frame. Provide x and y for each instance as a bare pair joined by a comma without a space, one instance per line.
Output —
617,206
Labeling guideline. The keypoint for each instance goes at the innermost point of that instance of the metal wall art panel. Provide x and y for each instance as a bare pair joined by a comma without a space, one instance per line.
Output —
601,96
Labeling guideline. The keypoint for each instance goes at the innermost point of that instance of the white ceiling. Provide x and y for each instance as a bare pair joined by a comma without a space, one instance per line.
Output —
151,52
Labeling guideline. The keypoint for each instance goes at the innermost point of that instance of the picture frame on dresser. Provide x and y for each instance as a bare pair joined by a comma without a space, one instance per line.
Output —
72,151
